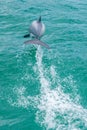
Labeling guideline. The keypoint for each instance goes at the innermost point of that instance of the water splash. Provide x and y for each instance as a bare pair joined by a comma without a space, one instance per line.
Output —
56,110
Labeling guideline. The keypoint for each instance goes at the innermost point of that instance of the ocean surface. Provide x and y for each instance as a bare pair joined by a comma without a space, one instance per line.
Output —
43,89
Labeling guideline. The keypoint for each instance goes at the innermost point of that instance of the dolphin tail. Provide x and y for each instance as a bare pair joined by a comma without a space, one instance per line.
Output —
36,41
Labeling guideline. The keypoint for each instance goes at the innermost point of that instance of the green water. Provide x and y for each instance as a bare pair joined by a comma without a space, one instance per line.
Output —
43,89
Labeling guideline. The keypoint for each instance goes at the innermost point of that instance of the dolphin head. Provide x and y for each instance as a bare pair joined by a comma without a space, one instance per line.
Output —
39,20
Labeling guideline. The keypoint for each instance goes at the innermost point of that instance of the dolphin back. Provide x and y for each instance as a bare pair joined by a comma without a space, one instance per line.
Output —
37,29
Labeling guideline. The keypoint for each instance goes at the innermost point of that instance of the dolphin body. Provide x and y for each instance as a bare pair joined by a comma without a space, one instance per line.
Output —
37,29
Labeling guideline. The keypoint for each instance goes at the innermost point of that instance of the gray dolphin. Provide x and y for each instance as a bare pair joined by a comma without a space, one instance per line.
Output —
36,29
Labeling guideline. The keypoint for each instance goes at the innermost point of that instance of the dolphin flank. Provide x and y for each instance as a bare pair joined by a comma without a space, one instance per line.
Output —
36,30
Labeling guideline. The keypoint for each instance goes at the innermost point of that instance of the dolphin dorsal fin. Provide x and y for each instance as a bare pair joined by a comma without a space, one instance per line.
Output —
39,20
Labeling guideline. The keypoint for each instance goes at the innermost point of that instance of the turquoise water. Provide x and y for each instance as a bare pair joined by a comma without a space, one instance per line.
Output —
43,89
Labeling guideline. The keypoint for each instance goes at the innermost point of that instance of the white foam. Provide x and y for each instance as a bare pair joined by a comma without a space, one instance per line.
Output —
22,100
52,71
56,110
59,110
44,82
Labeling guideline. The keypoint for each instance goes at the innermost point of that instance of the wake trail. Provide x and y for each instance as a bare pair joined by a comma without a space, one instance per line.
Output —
43,81
56,110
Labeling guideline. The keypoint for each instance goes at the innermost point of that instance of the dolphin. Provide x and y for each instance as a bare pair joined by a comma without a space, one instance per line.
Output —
36,30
